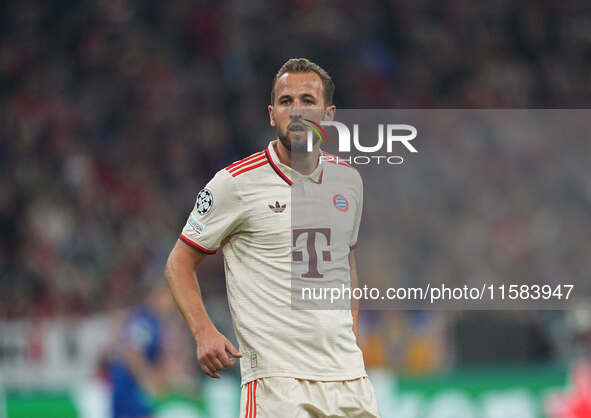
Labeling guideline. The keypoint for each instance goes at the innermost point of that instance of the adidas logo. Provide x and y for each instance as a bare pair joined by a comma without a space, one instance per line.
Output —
277,208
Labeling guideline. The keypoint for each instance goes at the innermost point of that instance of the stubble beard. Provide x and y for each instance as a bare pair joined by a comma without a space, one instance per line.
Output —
298,148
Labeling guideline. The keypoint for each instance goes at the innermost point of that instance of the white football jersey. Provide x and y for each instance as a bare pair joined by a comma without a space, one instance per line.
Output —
247,209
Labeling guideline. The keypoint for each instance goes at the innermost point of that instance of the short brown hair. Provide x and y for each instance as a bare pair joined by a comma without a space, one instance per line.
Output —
304,65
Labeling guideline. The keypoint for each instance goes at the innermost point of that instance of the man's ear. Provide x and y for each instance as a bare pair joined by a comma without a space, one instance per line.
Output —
271,118
329,113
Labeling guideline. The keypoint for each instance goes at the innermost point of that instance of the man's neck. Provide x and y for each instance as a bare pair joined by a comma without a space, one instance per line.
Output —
304,163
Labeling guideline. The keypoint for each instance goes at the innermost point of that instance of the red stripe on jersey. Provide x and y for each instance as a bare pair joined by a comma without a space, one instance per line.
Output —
250,167
254,401
320,177
352,247
195,245
251,161
258,154
247,400
279,172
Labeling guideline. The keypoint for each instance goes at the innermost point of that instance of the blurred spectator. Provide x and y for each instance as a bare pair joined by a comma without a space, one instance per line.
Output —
140,372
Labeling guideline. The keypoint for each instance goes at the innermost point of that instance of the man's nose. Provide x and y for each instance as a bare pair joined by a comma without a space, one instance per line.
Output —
296,112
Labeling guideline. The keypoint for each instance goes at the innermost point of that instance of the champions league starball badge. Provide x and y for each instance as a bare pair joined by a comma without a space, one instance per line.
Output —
204,201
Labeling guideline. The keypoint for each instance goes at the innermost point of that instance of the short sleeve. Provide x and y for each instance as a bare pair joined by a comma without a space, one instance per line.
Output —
216,214
358,213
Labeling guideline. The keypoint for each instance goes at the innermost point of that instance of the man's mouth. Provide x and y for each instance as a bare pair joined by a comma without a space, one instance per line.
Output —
296,127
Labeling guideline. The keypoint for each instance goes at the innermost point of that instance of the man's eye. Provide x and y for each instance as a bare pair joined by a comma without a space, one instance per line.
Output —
284,101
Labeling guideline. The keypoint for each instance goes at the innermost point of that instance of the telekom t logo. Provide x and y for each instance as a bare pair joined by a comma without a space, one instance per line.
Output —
311,249
394,133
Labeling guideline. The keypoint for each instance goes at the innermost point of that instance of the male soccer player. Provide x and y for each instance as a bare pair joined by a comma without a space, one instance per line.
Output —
294,362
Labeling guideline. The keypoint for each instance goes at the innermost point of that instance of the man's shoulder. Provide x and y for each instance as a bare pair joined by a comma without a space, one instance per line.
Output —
239,178
245,168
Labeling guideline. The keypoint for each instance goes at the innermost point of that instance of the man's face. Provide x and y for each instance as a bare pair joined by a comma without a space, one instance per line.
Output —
298,96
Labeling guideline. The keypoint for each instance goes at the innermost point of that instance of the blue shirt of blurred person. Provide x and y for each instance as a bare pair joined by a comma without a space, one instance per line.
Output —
142,333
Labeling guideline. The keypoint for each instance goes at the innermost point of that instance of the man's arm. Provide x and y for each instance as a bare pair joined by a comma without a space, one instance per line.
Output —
182,280
354,302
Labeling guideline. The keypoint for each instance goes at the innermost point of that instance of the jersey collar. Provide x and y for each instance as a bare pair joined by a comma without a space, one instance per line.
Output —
286,172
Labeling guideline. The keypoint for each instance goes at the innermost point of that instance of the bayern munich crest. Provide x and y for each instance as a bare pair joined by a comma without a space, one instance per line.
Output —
340,202
204,201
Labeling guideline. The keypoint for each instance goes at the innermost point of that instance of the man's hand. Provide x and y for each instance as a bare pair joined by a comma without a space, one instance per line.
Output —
212,347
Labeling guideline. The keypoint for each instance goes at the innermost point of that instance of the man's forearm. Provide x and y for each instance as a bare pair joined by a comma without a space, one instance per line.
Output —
184,287
212,347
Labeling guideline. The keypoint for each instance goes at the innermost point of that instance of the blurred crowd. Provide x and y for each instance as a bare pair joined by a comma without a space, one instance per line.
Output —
113,114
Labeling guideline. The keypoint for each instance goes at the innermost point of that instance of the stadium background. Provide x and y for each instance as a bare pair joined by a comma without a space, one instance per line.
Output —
113,114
